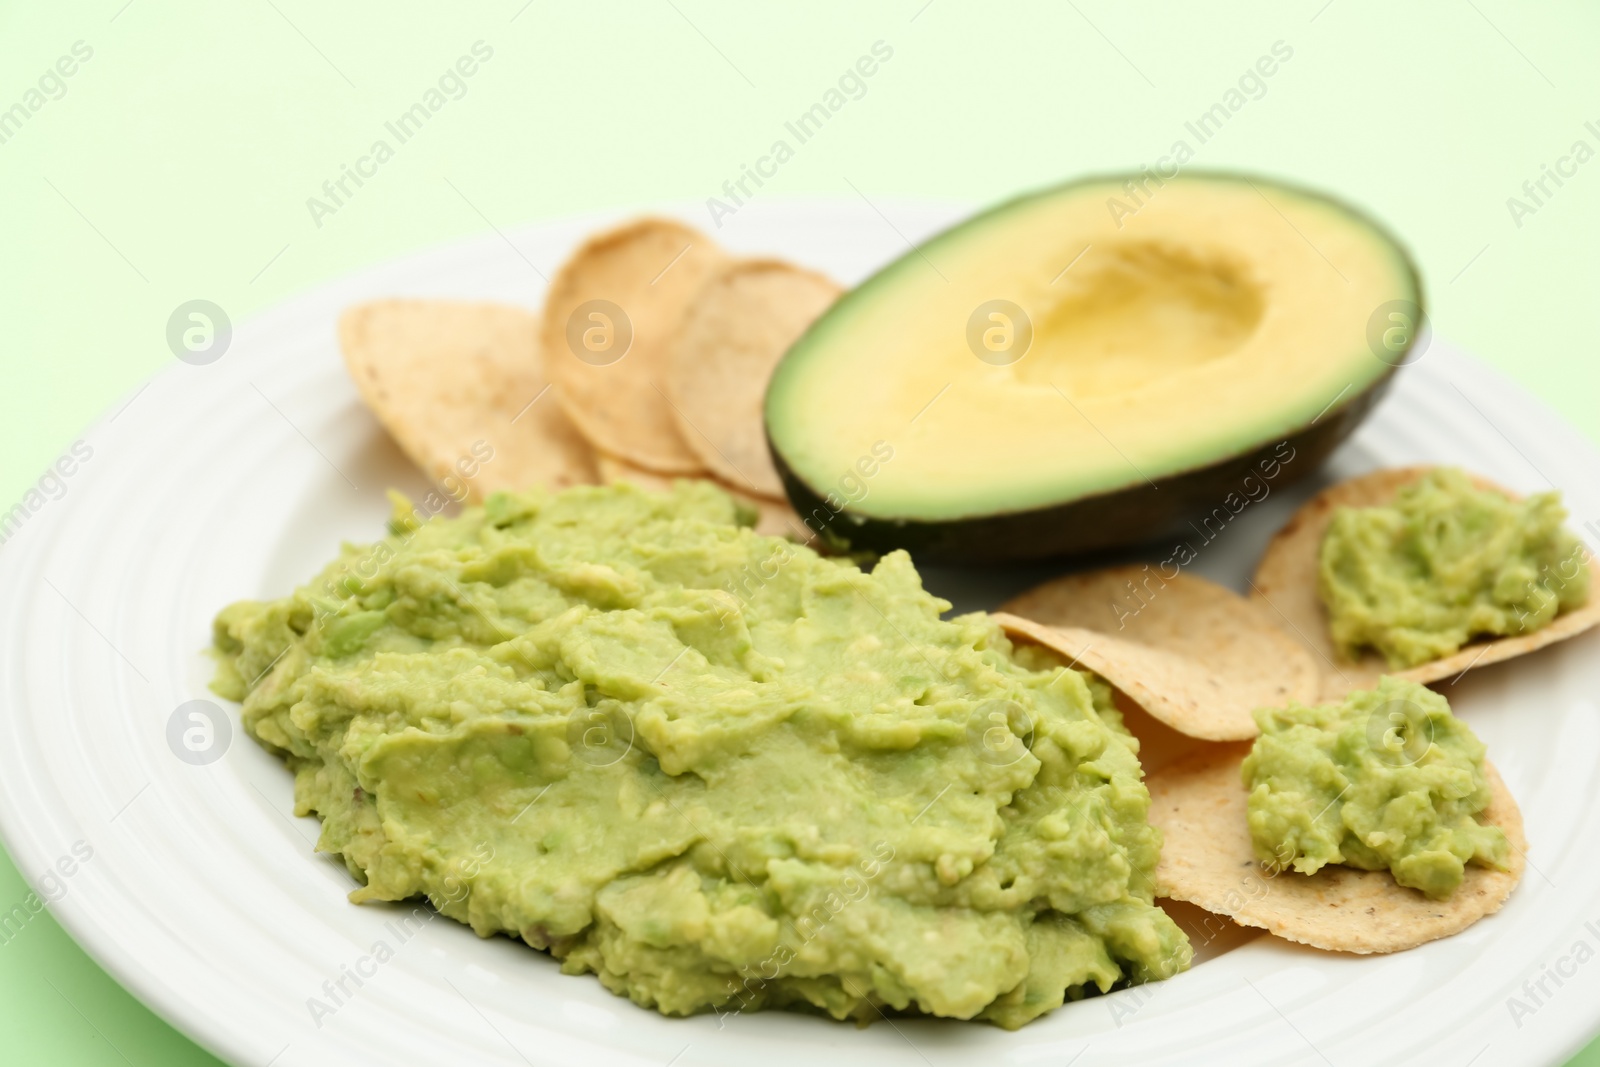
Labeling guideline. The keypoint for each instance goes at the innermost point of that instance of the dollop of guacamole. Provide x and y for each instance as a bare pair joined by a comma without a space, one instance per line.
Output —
713,768
1446,562
1386,779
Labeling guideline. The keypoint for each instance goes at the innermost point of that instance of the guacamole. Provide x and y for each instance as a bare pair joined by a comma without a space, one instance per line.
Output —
1443,563
713,768
1387,779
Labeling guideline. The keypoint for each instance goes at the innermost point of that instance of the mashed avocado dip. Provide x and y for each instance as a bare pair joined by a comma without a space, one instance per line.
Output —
1386,779
713,768
1445,562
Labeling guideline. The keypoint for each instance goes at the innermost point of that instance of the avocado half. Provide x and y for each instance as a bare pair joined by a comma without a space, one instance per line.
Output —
1097,364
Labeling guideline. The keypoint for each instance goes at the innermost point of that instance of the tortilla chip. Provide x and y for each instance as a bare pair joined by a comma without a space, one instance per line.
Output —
775,519
740,324
1206,858
650,269
1188,615
450,380
1286,583
1186,694
613,470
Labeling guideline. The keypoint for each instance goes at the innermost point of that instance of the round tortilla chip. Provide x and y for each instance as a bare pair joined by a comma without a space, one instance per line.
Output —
774,518
649,270
447,378
1186,694
1185,614
1199,806
740,324
1286,583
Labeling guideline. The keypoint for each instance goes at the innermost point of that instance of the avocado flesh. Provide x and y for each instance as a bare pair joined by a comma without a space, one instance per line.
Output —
1226,316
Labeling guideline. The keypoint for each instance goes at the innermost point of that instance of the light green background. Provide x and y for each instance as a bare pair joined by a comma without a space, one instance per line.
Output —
178,163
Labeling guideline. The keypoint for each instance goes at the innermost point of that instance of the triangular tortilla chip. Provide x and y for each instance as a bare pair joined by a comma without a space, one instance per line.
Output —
1185,614
1186,694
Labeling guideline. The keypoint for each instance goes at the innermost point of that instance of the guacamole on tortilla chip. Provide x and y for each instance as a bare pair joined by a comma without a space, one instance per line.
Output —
1445,562
711,767
1387,778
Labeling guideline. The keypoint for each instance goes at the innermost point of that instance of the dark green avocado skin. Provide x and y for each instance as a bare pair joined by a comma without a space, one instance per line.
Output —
1139,514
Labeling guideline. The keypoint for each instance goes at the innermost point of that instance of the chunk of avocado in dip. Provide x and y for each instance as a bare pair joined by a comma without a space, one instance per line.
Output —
1445,562
1388,778
714,768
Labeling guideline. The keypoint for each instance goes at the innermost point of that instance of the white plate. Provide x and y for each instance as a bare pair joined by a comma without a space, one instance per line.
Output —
203,897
